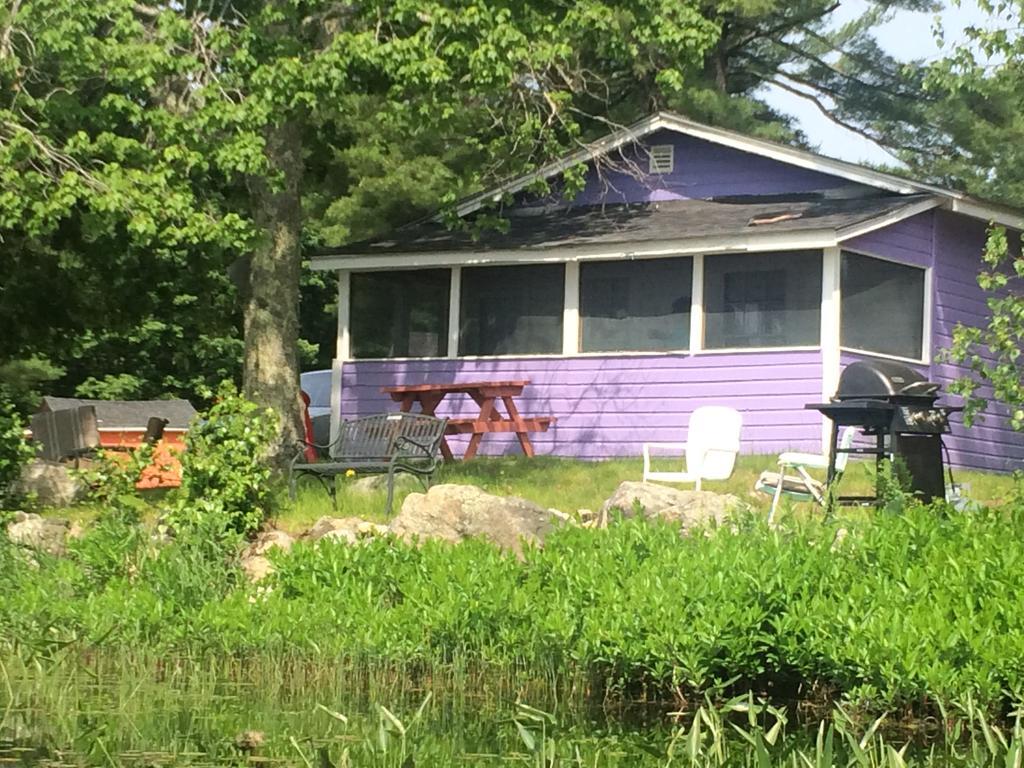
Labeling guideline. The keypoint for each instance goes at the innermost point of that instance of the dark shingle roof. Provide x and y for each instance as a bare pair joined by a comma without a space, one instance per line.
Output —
113,414
669,220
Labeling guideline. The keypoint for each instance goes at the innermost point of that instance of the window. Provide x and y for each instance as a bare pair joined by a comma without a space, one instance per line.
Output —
400,314
662,158
512,310
763,300
882,306
641,305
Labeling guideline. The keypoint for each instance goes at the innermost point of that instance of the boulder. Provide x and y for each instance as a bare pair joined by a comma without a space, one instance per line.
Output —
457,512
690,509
41,533
50,483
254,558
347,529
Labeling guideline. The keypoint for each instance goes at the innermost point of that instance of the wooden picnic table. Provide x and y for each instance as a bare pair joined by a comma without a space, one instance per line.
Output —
485,394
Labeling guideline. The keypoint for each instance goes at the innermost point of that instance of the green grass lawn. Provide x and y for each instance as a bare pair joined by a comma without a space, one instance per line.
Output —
570,484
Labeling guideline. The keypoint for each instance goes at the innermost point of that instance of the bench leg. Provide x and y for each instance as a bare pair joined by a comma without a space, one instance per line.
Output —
391,490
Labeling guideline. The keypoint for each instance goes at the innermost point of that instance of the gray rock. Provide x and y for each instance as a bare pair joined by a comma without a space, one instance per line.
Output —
458,512
254,558
690,509
50,483
40,533
349,529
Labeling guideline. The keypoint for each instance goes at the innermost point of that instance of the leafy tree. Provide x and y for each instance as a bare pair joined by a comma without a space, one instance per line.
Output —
971,138
166,165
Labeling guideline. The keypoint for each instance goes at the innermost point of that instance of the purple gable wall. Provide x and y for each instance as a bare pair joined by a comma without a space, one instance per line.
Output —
702,170
609,406
990,443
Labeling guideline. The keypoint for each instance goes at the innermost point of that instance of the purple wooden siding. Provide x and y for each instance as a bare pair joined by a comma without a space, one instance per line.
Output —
990,443
953,245
609,406
908,241
701,170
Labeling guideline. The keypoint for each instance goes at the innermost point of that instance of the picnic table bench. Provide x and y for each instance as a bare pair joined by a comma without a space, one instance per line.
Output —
485,394
387,443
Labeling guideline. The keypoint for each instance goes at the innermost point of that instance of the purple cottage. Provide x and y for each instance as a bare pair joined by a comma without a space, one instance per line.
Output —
697,266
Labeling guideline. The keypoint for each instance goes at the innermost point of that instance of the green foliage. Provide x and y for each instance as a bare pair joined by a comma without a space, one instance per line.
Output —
15,452
225,475
22,380
898,611
993,353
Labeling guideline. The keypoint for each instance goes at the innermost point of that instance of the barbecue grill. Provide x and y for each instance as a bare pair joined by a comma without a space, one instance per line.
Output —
896,405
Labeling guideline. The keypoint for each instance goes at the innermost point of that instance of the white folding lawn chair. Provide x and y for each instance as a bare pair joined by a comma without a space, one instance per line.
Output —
712,442
801,485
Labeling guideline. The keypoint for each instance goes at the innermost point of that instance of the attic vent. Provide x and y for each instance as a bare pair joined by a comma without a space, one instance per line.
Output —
662,157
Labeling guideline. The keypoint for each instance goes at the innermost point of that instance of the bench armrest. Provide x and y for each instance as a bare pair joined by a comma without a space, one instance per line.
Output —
423,447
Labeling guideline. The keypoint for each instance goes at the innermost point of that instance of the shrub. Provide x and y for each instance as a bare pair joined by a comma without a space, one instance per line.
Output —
225,472
14,451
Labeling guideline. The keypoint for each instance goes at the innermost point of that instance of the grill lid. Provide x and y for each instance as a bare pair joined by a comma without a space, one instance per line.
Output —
884,379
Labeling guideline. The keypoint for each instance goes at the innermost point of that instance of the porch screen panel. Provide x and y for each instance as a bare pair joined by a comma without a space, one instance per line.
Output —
512,310
762,300
640,305
400,314
882,306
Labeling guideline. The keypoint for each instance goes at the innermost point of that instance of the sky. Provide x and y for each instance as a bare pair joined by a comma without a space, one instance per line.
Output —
907,36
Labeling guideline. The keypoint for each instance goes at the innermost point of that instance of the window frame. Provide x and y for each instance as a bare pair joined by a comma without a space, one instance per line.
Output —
705,350
617,352
926,310
350,303
458,340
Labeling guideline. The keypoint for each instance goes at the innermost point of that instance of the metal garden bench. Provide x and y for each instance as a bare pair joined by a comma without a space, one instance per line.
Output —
384,444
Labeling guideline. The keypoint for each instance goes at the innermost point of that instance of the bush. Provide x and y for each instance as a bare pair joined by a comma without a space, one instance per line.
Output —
15,452
225,472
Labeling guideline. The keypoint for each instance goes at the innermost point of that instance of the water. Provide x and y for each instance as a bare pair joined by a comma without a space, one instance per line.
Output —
74,709
102,711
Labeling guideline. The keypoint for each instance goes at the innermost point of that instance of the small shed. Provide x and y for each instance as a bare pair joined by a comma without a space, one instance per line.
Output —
122,424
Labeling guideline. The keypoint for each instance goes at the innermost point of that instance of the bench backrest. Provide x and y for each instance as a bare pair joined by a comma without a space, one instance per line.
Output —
376,437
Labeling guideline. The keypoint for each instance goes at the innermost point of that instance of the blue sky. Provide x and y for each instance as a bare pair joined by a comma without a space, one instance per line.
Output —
907,36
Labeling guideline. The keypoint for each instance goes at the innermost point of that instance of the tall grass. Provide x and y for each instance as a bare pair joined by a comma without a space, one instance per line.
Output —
912,611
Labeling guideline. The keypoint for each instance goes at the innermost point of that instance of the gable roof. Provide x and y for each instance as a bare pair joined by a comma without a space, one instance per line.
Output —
670,220
636,230
955,201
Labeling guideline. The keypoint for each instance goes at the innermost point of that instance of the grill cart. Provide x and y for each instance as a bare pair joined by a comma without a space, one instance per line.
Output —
894,404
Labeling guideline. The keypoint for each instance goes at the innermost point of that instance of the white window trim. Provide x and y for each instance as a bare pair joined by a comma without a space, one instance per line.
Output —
571,325
571,321
927,306
454,311
884,356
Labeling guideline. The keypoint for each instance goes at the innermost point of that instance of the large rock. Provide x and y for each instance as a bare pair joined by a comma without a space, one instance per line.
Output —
457,512
50,483
40,533
254,559
690,509
347,529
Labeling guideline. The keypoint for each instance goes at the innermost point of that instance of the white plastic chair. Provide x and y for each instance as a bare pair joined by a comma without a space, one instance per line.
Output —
712,442
802,485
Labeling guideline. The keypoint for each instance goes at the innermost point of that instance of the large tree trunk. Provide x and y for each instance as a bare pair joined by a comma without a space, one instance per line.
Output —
271,373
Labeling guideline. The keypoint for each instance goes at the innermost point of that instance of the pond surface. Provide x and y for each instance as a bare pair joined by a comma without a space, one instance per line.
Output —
133,710
101,711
